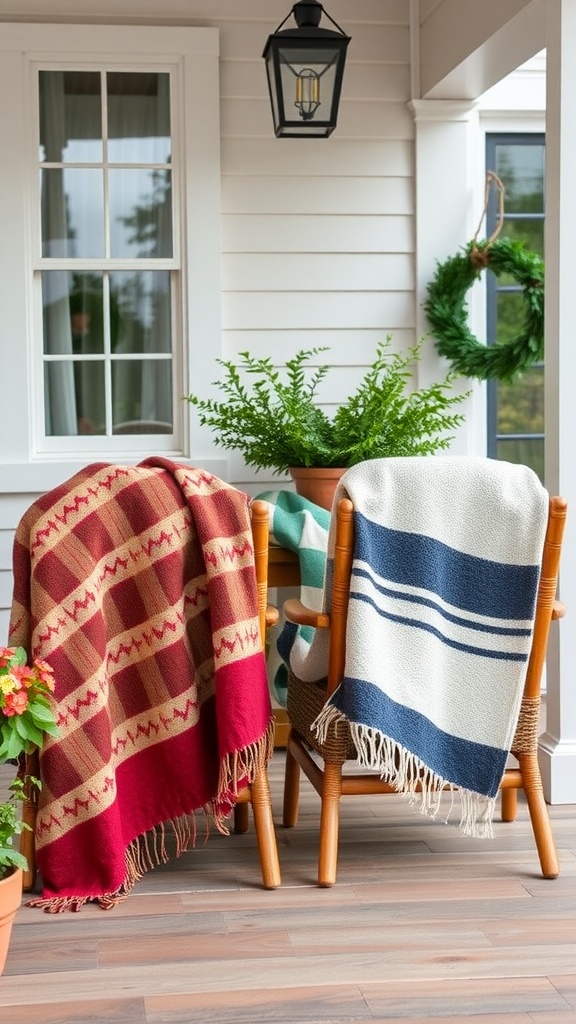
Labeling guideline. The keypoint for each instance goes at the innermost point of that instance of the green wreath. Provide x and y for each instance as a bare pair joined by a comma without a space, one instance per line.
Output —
447,312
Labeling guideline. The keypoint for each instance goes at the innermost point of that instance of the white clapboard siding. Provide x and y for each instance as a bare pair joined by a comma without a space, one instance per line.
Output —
4,622
265,195
246,117
12,508
242,233
6,537
6,541
343,345
384,43
295,272
5,593
252,311
335,158
389,81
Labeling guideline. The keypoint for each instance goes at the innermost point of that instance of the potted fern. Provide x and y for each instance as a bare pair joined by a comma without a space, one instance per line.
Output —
274,419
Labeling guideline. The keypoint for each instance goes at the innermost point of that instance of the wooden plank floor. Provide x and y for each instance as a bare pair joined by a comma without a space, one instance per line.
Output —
423,925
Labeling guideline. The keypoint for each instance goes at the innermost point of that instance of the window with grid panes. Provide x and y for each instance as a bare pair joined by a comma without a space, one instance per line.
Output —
108,269
516,411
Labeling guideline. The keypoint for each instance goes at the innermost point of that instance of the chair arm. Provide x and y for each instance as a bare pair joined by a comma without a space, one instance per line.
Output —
272,616
298,613
558,610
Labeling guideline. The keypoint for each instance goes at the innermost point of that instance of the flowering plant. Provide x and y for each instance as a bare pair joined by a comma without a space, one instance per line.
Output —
26,716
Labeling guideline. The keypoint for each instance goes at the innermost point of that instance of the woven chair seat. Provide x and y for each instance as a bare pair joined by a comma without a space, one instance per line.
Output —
304,703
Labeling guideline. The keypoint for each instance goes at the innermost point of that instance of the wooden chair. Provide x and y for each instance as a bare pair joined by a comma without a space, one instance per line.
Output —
257,795
306,700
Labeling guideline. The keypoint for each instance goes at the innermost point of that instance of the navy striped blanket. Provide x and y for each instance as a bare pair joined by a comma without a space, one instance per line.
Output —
443,593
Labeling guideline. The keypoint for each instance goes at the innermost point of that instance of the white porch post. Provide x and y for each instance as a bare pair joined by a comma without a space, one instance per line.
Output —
558,744
449,186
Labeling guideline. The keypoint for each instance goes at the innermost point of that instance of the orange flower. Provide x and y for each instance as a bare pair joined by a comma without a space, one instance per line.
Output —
26,714
15,703
5,654
45,673
23,673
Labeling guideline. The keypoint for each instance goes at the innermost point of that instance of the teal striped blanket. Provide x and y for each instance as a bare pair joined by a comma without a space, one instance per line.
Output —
302,527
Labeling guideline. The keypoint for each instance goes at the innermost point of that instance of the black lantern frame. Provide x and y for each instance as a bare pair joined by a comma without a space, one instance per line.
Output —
305,68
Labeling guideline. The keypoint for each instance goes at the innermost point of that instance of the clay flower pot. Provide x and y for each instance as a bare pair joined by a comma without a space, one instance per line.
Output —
10,900
318,485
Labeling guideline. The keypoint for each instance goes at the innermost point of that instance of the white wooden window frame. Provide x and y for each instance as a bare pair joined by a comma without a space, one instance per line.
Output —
131,443
191,55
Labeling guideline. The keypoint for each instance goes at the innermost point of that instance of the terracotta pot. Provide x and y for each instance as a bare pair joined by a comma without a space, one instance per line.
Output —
318,485
10,900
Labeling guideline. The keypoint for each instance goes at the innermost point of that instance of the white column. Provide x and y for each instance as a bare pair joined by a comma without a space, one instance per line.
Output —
558,744
449,184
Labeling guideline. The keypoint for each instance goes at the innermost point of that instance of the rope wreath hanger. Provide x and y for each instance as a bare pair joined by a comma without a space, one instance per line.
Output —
447,311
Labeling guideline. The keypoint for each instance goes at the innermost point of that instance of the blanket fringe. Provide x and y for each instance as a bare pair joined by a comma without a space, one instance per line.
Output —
143,854
239,769
409,776
149,849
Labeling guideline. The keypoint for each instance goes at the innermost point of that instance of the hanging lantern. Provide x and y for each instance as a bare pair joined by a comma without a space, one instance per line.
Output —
305,67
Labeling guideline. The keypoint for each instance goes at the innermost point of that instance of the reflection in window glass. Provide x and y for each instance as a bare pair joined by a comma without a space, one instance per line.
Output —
78,404
140,213
142,393
138,118
141,299
510,312
516,411
107,333
73,312
520,166
70,117
72,201
521,405
529,231
528,451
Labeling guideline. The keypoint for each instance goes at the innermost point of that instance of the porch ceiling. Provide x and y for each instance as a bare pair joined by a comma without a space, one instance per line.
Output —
466,47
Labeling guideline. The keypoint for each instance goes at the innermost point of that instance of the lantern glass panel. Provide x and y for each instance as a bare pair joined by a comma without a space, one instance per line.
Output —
323,65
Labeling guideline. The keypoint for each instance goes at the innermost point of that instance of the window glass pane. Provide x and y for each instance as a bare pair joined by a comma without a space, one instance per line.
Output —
521,405
138,118
72,202
70,117
521,169
73,313
510,313
107,334
87,314
516,411
141,303
57,333
140,213
142,396
75,398
526,451
90,395
529,232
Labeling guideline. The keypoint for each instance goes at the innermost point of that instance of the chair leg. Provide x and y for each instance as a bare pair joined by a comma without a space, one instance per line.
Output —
329,824
291,789
241,818
265,832
509,804
539,816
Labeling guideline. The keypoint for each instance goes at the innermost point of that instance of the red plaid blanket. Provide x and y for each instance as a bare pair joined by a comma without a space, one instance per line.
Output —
136,583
